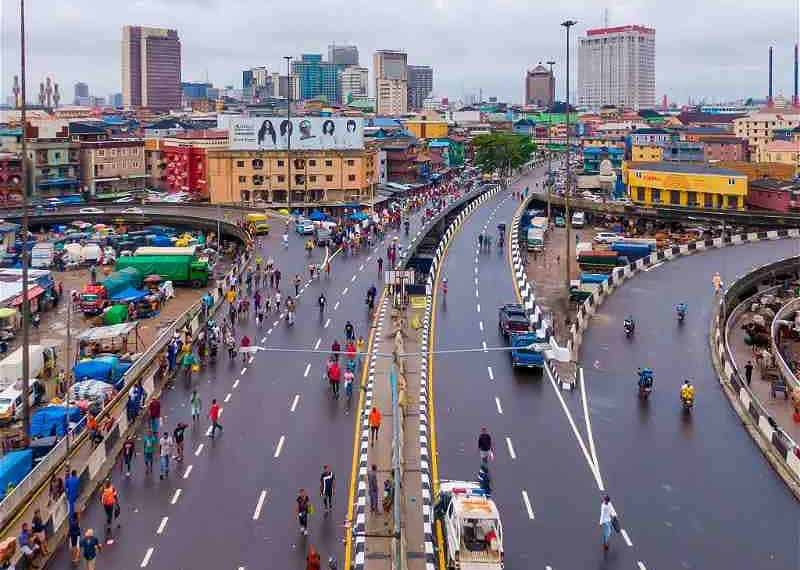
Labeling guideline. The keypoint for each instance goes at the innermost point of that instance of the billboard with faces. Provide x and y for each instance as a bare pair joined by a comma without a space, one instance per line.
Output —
307,133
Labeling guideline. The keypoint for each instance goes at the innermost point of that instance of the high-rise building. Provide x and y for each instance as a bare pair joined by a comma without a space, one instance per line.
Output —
391,82
151,68
81,93
420,85
540,87
343,56
115,100
280,85
354,83
617,66
318,78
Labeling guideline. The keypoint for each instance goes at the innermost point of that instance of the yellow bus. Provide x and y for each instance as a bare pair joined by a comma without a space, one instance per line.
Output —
258,223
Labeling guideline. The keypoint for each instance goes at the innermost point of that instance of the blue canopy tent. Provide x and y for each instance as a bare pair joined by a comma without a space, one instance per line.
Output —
358,216
129,295
53,420
317,216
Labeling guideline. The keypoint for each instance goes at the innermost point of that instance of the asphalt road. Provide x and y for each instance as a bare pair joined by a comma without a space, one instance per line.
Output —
280,427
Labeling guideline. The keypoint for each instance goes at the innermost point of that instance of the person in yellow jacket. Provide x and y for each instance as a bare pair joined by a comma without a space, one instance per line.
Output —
687,391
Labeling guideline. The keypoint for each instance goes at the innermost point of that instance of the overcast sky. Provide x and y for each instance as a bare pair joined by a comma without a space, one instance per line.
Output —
715,49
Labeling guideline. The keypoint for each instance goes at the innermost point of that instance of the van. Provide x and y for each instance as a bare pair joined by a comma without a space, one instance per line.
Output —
578,219
322,235
258,222
11,400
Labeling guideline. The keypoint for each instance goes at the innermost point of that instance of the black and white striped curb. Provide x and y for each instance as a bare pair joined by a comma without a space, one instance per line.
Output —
621,274
360,526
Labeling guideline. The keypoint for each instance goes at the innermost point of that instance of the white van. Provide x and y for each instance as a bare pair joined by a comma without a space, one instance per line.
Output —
578,219
11,400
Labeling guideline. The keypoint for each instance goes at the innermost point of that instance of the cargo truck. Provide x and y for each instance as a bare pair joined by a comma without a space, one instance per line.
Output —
633,251
535,239
95,296
599,261
176,268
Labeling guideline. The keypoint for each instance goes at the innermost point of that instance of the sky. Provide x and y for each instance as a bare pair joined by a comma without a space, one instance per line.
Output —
715,49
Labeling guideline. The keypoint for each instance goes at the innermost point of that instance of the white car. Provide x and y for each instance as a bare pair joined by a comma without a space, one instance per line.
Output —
91,211
137,211
607,237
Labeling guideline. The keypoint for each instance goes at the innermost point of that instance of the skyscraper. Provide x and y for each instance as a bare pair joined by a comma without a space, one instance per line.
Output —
391,82
344,56
540,86
354,83
617,66
151,68
81,94
317,78
420,85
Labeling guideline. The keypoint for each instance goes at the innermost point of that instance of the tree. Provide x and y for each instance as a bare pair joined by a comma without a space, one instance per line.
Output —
502,152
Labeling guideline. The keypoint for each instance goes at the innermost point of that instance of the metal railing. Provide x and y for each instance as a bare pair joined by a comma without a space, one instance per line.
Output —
786,372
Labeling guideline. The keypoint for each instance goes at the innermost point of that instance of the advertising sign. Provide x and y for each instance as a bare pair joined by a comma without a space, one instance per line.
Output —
307,133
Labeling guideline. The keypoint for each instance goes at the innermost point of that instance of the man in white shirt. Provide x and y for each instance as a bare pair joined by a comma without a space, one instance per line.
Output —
166,445
607,517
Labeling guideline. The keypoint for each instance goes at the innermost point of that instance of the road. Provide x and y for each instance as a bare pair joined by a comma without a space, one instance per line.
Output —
682,487
232,502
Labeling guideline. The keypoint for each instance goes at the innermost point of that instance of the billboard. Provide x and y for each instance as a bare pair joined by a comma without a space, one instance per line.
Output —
307,133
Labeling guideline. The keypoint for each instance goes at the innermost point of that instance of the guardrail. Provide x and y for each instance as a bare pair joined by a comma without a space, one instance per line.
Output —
786,372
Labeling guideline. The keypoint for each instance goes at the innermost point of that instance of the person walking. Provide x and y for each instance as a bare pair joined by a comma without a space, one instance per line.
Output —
195,404
213,415
165,448
303,510
748,371
349,331
74,537
312,560
297,282
178,436
327,482
110,503
607,517
72,487
380,267
334,378
90,546
374,424
485,445
148,449
277,278
128,451
372,483
154,410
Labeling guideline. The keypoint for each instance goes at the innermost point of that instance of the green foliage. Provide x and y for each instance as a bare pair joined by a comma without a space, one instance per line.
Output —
502,152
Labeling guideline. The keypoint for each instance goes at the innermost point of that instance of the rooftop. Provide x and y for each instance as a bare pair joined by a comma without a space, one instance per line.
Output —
788,146
651,131
684,168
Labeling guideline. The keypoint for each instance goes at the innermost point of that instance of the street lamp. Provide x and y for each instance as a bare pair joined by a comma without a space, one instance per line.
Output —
288,59
567,221
550,151
26,305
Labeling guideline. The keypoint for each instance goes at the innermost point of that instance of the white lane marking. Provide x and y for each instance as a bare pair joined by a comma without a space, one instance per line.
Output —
176,496
199,449
476,282
641,565
479,307
236,383
476,261
275,324
227,397
279,447
188,471
264,339
361,268
243,371
162,526
491,372
353,279
259,505
528,506
369,257
316,344
499,407
344,291
483,343
269,331
221,409
476,271
480,325
336,306
308,369
208,431
252,358
146,559
294,402
625,537
476,293
589,434
510,448
327,323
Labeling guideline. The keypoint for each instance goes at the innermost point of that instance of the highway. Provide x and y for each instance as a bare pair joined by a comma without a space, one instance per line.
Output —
691,492
231,504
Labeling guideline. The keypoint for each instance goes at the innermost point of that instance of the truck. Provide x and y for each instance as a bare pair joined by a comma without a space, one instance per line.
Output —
176,268
259,223
632,251
535,239
522,355
95,296
541,222
322,235
598,261
42,255
583,288
157,250
472,528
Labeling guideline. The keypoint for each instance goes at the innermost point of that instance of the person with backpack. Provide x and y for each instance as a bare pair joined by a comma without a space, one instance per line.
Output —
128,451
110,503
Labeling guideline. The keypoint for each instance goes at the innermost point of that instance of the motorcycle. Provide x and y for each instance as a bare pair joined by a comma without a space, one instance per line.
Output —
680,311
646,382
629,327
688,404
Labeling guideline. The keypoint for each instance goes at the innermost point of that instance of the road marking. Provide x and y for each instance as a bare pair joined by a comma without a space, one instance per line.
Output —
641,565
369,257
176,496
476,271
243,371
510,448
491,373
327,323
336,306
476,293
146,559
499,407
275,324
480,325
269,331
476,261
199,449
476,282
625,537
259,505
294,402
589,434
316,345
361,268
188,471
227,398
479,307
208,431
528,506
344,291
252,358
483,342
236,383
264,339
280,447
308,369
353,279
162,526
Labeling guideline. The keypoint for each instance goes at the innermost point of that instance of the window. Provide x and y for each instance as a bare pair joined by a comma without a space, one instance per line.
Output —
313,178
351,162
242,179
258,180
731,181
708,200
57,155
638,174
239,164
300,179
655,195
351,177
101,152
640,194
691,198
312,162
258,164
328,163
329,178
280,164
281,178
675,197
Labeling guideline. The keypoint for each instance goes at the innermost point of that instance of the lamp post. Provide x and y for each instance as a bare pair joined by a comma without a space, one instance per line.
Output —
567,221
26,306
549,151
288,59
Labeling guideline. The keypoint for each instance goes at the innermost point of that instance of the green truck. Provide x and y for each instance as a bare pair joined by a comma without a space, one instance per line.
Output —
176,268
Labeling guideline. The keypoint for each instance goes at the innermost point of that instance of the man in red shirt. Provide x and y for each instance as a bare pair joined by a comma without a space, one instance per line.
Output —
154,409
213,415
334,377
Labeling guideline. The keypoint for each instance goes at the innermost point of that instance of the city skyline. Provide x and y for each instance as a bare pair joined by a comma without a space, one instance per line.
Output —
693,60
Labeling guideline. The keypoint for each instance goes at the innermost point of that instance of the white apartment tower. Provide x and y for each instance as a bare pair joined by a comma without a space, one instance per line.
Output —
617,66
354,83
391,82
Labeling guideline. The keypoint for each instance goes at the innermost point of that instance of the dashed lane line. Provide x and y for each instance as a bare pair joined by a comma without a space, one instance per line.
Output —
499,407
483,343
227,397
279,447
480,325
528,507
641,565
344,291
243,371
199,449
353,279
479,307
175,496
188,471
308,369
259,505
327,323
235,384
316,345
162,526
146,559
294,402
510,448
336,306
491,372
625,537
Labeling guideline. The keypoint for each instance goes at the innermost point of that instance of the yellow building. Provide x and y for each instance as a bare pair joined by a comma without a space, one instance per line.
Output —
684,184
318,176
602,141
426,129
782,152
646,153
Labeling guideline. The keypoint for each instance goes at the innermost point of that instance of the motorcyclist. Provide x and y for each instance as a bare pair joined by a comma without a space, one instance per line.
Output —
321,302
444,286
629,323
681,309
687,391
645,377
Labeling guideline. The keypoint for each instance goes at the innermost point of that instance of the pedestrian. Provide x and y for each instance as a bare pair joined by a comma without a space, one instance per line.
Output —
72,487
154,409
213,415
372,480
90,546
165,448
148,449
312,560
608,517
374,424
303,510
109,500
334,378
39,531
349,331
380,267
277,278
485,446
74,537
297,282
128,451
327,482
195,404
178,435
748,371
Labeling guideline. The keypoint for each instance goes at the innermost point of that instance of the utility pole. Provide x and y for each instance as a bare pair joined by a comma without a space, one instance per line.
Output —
550,151
288,59
68,367
26,306
567,221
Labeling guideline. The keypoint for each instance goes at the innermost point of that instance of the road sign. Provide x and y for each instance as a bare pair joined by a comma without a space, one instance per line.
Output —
393,277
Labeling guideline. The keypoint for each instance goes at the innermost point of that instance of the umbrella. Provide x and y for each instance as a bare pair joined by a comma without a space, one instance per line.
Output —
152,279
317,216
283,211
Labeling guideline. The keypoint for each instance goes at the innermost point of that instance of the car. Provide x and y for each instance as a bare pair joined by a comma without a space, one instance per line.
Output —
137,211
125,200
512,318
304,227
560,222
607,237
91,211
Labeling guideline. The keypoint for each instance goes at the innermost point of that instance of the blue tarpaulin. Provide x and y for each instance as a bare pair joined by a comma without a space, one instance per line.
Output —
129,294
14,466
53,420
317,216
106,368
358,216
159,240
